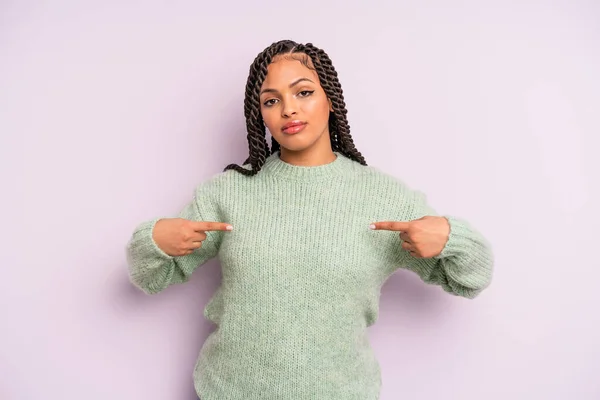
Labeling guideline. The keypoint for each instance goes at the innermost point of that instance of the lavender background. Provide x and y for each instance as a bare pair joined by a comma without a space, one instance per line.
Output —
112,111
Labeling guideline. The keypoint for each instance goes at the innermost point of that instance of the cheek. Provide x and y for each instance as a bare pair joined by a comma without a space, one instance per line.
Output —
269,118
317,110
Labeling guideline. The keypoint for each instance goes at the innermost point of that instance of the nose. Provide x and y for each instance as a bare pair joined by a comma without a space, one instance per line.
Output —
289,109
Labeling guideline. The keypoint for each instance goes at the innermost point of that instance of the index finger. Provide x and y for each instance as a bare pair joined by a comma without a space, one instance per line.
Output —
396,226
211,226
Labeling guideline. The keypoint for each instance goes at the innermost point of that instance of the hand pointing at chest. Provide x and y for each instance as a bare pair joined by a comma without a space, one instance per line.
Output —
424,238
181,237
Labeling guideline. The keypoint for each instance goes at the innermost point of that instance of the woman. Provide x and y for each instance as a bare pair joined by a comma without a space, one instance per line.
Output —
306,234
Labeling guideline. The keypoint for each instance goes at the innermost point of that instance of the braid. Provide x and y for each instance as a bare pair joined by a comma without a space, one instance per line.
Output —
341,140
339,129
257,143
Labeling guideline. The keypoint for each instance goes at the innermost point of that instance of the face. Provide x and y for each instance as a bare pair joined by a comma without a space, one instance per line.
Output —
295,107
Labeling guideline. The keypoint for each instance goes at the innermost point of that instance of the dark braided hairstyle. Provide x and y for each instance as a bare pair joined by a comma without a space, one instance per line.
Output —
339,130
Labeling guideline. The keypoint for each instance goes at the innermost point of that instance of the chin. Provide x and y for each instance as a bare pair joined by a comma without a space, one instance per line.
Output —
301,141
293,144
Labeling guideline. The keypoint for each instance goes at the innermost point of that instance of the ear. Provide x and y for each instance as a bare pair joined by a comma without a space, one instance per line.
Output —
330,105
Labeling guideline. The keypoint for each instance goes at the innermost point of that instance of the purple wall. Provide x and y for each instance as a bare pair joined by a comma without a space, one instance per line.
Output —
111,113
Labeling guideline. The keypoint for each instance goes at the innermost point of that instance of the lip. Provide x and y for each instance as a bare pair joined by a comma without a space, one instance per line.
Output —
293,127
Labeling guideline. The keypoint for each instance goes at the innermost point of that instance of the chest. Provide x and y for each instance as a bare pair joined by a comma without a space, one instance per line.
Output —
304,235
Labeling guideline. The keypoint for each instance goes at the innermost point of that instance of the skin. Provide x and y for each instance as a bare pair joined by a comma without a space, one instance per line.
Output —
292,92
423,238
180,237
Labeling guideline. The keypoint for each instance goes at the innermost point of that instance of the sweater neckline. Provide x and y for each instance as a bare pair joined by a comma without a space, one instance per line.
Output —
276,166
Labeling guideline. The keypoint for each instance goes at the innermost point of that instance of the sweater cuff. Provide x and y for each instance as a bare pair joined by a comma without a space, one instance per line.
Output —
459,239
144,243
466,258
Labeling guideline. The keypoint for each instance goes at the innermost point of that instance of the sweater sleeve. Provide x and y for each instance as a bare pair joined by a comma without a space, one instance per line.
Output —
151,269
465,265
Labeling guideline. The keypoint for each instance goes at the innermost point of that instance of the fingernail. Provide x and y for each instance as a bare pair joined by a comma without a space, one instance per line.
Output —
372,226
229,227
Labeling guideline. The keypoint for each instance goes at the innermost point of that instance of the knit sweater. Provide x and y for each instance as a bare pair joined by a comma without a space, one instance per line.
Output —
301,276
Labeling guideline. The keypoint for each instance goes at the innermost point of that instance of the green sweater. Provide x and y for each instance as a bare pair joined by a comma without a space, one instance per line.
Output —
301,276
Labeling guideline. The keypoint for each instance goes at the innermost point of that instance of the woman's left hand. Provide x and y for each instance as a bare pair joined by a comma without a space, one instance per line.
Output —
423,238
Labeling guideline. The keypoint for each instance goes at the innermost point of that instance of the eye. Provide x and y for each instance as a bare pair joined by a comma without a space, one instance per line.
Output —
269,102
306,93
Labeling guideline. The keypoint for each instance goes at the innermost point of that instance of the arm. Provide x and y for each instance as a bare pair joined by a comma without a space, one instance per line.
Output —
151,269
465,265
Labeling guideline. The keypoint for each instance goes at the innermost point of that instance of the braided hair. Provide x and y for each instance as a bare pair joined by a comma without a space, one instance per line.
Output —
339,130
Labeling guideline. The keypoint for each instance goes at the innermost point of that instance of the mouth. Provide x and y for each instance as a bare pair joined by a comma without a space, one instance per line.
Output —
293,127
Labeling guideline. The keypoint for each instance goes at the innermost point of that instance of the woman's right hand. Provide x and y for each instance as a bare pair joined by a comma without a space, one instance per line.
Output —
180,237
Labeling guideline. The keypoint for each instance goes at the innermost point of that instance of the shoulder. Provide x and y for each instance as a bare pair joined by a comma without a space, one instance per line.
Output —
222,182
383,181
391,190
392,193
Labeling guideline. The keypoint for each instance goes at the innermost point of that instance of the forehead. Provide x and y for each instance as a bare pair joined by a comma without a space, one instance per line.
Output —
285,69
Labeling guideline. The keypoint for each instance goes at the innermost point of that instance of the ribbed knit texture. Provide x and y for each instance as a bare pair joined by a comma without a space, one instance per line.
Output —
301,276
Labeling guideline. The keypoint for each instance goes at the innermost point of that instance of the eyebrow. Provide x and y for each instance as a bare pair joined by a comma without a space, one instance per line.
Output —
297,81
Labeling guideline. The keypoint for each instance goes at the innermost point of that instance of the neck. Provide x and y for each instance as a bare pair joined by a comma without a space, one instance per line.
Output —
276,167
311,157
